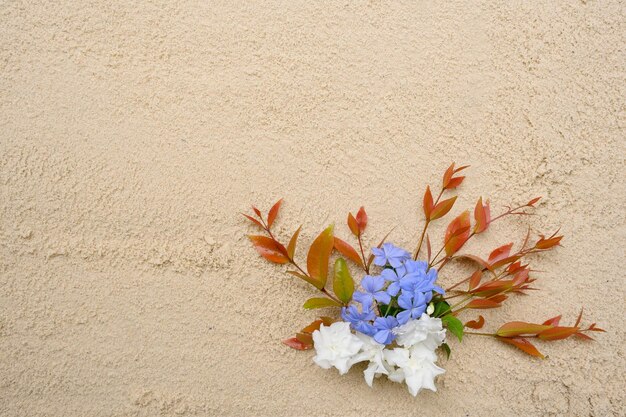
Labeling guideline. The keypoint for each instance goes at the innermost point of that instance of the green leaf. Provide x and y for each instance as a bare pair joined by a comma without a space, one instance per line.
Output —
312,303
343,284
441,308
454,325
392,310
446,349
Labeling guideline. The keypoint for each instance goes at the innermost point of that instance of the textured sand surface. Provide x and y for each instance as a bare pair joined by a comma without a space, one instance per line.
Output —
132,134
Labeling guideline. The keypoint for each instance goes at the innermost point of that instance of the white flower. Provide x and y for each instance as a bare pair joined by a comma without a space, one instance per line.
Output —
427,330
371,351
336,346
416,367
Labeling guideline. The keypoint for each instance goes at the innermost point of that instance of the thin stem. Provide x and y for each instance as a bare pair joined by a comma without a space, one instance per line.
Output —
365,265
481,334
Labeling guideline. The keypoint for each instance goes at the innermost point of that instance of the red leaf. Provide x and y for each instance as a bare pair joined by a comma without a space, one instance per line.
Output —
482,215
273,213
442,208
319,252
348,251
361,219
257,212
519,328
291,247
353,225
269,249
294,343
253,220
482,303
476,324
500,253
428,203
457,233
532,202
558,333
523,344
475,279
554,321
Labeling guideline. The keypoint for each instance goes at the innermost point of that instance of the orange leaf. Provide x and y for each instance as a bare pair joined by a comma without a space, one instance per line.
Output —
492,288
583,336
457,233
442,208
518,328
361,219
532,202
558,333
476,259
482,303
353,225
554,321
253,220
447,176
475,279
544,243
305,338
291,247
257,212
294,343
476,324
448,181
348,251
523,344
317,259
269,249
273,213
482,215
580,316
454,182
315,325
498,298
428,203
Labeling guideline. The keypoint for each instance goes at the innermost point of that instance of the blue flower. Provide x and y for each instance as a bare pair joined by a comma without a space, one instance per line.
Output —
390,275
419,278
383,325
373,291
413,304
391,254
360,322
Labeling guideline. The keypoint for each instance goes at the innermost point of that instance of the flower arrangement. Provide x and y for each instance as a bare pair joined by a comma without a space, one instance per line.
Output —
399,317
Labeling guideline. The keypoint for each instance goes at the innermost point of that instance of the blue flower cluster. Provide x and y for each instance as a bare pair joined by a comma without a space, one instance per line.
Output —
406,286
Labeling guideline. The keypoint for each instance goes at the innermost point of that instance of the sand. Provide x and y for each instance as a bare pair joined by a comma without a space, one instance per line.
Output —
133,133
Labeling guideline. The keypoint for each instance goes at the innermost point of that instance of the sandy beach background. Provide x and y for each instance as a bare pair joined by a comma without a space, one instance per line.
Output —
133,133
